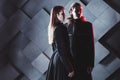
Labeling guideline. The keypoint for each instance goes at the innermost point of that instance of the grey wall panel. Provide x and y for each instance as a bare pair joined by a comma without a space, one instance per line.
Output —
6,8
18,3
4,59
43,77
35,29
2,20
31,28
111,39
32,7
110,17
100,52
115,75
51,3
49,51
25,78
41,20
23,64
43,40
114,4
31,51
100,73
100,29
38,37
114,39
19,42
20,20
6,34
10,29
9,71
41,63
89,16
113,66
97,7
108,59
24,40
85,1
19,60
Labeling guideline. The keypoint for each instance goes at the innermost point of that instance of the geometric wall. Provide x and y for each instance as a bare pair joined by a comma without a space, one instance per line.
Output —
24,48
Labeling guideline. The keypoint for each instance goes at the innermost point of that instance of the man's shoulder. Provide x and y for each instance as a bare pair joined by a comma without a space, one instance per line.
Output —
87,23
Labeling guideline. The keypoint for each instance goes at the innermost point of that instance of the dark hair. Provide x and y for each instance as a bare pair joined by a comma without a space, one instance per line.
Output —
77,6
53,21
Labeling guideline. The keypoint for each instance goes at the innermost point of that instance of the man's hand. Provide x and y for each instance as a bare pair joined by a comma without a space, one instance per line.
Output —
71,74
89,69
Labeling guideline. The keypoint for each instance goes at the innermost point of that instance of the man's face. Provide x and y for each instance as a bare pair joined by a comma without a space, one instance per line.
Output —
76,12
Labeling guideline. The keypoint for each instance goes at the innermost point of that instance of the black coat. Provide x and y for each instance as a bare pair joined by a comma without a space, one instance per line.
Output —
60,64
82,47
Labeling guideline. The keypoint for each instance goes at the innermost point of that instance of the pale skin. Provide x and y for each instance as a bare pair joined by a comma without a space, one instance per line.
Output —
61,17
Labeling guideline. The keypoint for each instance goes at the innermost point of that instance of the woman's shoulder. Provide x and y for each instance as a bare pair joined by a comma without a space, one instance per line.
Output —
60,27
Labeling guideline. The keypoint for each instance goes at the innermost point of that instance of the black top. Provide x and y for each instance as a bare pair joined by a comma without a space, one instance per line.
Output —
82,42
61,43
60,64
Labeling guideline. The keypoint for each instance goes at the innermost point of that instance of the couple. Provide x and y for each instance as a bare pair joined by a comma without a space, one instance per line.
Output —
73,45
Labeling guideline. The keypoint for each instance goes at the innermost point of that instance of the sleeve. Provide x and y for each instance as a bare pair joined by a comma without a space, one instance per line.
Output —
62,41
92,51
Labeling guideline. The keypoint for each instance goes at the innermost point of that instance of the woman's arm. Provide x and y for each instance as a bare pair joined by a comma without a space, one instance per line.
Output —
62,41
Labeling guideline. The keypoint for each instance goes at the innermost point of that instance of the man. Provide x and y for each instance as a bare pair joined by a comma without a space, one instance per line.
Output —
81,43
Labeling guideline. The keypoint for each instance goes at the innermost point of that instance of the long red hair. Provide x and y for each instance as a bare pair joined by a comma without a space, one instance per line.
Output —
53,21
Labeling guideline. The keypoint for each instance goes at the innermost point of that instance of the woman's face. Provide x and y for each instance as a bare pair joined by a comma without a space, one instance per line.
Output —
61,16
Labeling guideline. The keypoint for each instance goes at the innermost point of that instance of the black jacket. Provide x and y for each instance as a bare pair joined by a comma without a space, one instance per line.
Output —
82,42
61,42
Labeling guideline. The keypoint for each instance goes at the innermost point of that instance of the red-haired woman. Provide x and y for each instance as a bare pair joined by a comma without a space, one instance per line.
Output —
60,66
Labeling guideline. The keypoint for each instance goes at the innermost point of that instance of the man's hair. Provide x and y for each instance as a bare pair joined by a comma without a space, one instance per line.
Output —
75,5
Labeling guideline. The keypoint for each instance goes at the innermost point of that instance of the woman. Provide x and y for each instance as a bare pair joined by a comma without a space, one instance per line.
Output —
60,66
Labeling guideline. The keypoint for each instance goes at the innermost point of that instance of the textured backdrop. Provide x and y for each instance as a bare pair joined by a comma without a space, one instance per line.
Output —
24,48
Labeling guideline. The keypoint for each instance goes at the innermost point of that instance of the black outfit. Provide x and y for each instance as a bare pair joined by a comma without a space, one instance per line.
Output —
82,47
60,64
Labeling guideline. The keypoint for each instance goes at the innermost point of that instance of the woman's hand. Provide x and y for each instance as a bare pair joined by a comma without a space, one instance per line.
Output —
71,74
89,69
